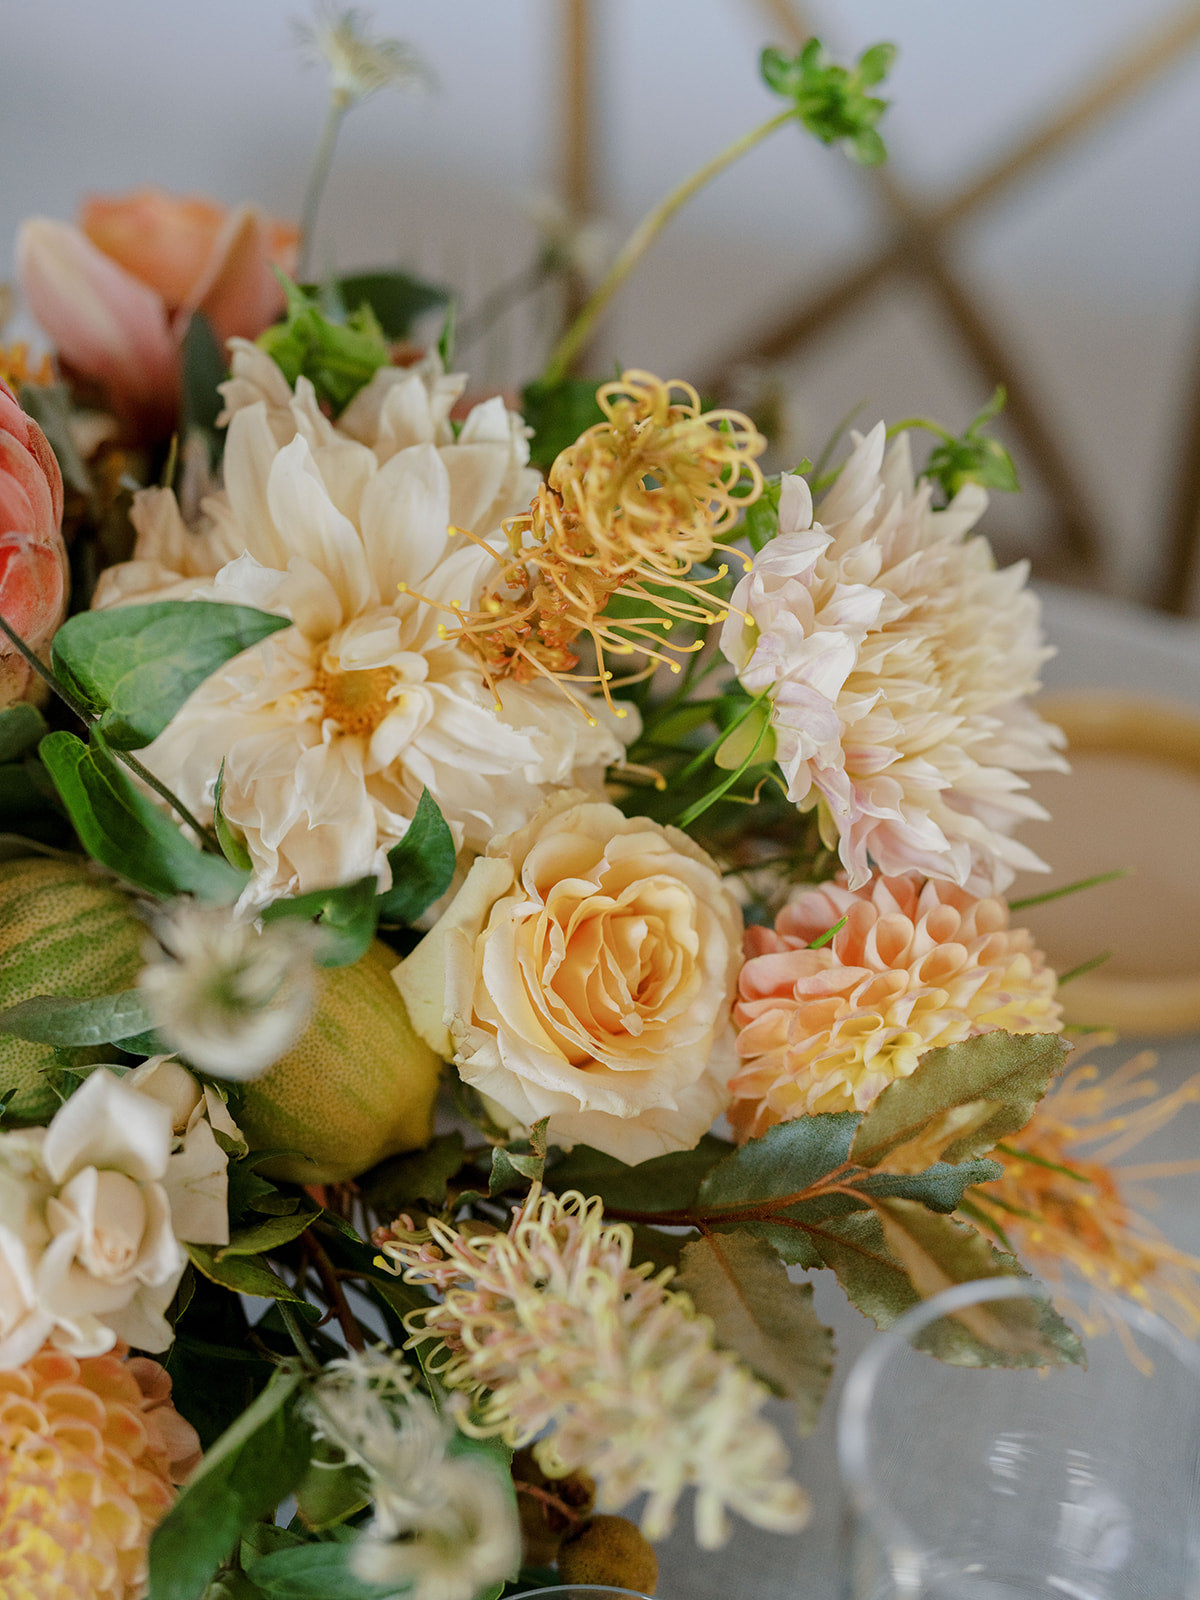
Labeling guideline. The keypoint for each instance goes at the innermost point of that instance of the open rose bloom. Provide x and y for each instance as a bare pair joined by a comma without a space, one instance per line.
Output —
115,293
33,559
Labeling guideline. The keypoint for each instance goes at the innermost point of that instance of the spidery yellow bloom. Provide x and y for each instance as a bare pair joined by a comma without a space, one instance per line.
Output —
631,507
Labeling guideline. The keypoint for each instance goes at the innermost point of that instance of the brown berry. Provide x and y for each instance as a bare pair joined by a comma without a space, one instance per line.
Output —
609,1550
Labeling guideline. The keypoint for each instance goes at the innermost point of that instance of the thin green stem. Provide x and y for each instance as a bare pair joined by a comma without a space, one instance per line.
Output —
322,161
297,1335
642,237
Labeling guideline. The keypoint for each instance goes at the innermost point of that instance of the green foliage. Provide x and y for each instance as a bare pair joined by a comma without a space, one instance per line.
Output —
422,864
204,367
558,413
232,847
424,1175
346,917
665,1183
762,1316
761,521
332,1489
830,100
50,407
21,726
65,1021
124,831
268,1234
974,457
961,1098
251,1468
786,1159
338,358
521,1162
243,1274
135,666
395,299
940,1187
314,1571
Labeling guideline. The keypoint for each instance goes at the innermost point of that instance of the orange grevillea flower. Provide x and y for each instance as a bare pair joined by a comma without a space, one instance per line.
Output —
638,500
1067,1207
89,1453
914,966
115,294
33,560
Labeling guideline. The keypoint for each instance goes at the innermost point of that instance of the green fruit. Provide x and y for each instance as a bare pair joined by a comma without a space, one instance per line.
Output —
359,1086
63,932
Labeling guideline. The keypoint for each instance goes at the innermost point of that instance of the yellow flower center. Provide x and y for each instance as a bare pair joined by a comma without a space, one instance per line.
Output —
356,701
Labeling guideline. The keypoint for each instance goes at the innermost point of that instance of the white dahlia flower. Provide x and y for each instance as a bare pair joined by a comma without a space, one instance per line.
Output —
897,659
329,730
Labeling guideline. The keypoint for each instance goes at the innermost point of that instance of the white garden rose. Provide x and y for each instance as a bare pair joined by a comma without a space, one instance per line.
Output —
585,972
94,1209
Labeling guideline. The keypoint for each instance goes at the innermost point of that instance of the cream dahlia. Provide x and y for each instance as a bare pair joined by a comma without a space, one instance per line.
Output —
897,659
89,1452
915,966
330,729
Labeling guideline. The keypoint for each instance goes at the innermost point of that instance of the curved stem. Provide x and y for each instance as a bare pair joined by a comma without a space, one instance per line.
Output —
639,241
322,161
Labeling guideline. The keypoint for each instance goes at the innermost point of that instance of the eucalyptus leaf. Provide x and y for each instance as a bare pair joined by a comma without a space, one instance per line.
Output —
63,1020
961,1099
422,864
762,1316
788,1158
251,1468
124,831
137,665
346,916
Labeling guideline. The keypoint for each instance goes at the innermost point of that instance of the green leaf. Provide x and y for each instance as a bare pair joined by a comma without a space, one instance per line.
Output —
787,1159
243,1274
855,1249
520,1162
558,413
233,1586
314,1572
664,1183
331,1490
233,848
138,664
124,831
250,1469
345,915
63,1020
267,1235
423,1175
422,864
212,1384
338,358
939,1187
762,1316
791,1244
831,100
395,299
761,522
204,367
21,726
961,1099
50,407
975,457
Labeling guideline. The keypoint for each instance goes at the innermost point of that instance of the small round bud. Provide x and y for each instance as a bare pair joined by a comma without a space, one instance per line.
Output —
609,1550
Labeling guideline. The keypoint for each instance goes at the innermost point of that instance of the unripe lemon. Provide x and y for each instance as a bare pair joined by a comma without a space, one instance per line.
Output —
63,931
359,1085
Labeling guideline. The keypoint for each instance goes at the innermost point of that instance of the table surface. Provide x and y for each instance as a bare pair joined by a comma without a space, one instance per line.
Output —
1101,644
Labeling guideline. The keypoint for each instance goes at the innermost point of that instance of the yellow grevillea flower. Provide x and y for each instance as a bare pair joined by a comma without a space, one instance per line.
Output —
89,1451
1066,1207
631,506
560,1339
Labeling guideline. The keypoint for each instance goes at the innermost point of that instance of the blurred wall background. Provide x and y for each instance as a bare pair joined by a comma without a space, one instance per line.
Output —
1086,269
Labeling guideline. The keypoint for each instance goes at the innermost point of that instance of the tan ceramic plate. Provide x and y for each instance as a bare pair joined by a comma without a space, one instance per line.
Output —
1132,801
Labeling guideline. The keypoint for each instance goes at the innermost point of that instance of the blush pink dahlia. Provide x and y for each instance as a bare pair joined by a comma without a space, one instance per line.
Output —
897,659
89,1453
915,966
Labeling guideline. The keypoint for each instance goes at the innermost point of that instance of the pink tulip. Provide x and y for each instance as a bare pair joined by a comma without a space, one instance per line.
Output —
115,295
33,559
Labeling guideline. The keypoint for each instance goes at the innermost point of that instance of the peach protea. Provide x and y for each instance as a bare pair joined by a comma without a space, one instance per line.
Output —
33,558
89,1453
897,658
915,966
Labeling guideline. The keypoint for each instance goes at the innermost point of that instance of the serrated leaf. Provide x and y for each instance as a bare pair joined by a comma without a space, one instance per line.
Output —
855,1250
345,915
961,1099
124,831
939,1187
936,1252
138,664
251,1468
664,1183
422,864
762,1316
21,726
787,1159
791,1244
243,1274
63,1020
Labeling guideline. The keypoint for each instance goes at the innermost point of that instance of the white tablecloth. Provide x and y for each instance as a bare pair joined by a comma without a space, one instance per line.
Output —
1101,644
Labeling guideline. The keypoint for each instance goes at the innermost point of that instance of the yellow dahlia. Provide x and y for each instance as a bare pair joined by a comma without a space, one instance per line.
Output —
89,1452
915,965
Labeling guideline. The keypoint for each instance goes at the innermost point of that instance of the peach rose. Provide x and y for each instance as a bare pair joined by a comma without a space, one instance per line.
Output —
33,559
115,294
585,972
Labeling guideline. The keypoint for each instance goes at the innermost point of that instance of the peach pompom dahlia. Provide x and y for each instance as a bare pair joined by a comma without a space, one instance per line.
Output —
915,966
89,1453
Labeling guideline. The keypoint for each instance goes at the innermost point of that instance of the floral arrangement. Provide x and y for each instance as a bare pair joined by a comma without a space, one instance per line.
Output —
496,894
